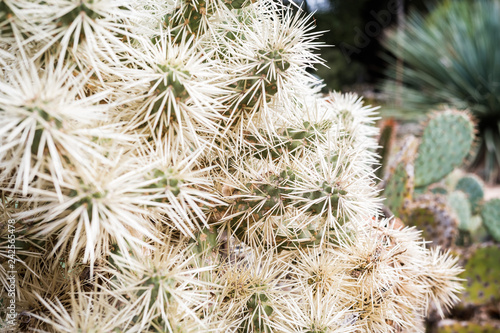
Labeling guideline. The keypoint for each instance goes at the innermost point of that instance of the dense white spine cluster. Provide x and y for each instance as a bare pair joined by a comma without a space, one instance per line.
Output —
173,167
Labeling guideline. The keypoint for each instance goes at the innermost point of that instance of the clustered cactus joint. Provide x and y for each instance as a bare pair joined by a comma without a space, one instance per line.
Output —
172,166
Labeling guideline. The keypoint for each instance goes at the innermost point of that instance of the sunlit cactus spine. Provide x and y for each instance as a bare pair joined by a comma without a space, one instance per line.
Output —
171,166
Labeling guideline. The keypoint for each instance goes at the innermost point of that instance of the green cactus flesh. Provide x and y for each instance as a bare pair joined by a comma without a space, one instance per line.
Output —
330,195
398,188
438,189
491,218
169,180
258,308
206,240
190,16
4,10
480,234
446,141
399,180
433,215
47,118
292,140
468,327
482,276
460,204
472,186
385,144
237,4
476,223
306,237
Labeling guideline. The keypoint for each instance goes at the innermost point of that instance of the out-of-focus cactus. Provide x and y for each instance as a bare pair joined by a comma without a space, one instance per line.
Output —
451,326
482,275
411,180
446,141
385,143
473,187
450,213
399,182
437,220
441,49
411,176
171,166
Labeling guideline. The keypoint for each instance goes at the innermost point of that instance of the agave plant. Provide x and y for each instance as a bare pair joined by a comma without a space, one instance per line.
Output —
171,166
451,57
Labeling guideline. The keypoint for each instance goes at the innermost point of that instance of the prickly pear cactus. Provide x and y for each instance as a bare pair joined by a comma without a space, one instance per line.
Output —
482,275
399,182
473,187
459,202
398,188
450,326
451,213
437,220
173,166
446,141
490,213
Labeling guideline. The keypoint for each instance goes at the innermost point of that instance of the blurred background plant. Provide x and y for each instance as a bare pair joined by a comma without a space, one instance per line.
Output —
416,56
424,187
452,58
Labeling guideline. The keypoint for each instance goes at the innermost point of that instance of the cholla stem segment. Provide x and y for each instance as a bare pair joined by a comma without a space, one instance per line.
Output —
171,166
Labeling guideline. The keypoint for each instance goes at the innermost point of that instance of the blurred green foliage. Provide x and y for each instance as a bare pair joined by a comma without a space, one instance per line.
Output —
452,57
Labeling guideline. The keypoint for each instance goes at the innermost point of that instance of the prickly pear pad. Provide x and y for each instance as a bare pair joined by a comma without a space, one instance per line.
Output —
482,275
446,141
468,327
473,187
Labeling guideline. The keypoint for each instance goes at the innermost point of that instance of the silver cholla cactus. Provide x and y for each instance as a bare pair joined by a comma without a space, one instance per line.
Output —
171,166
